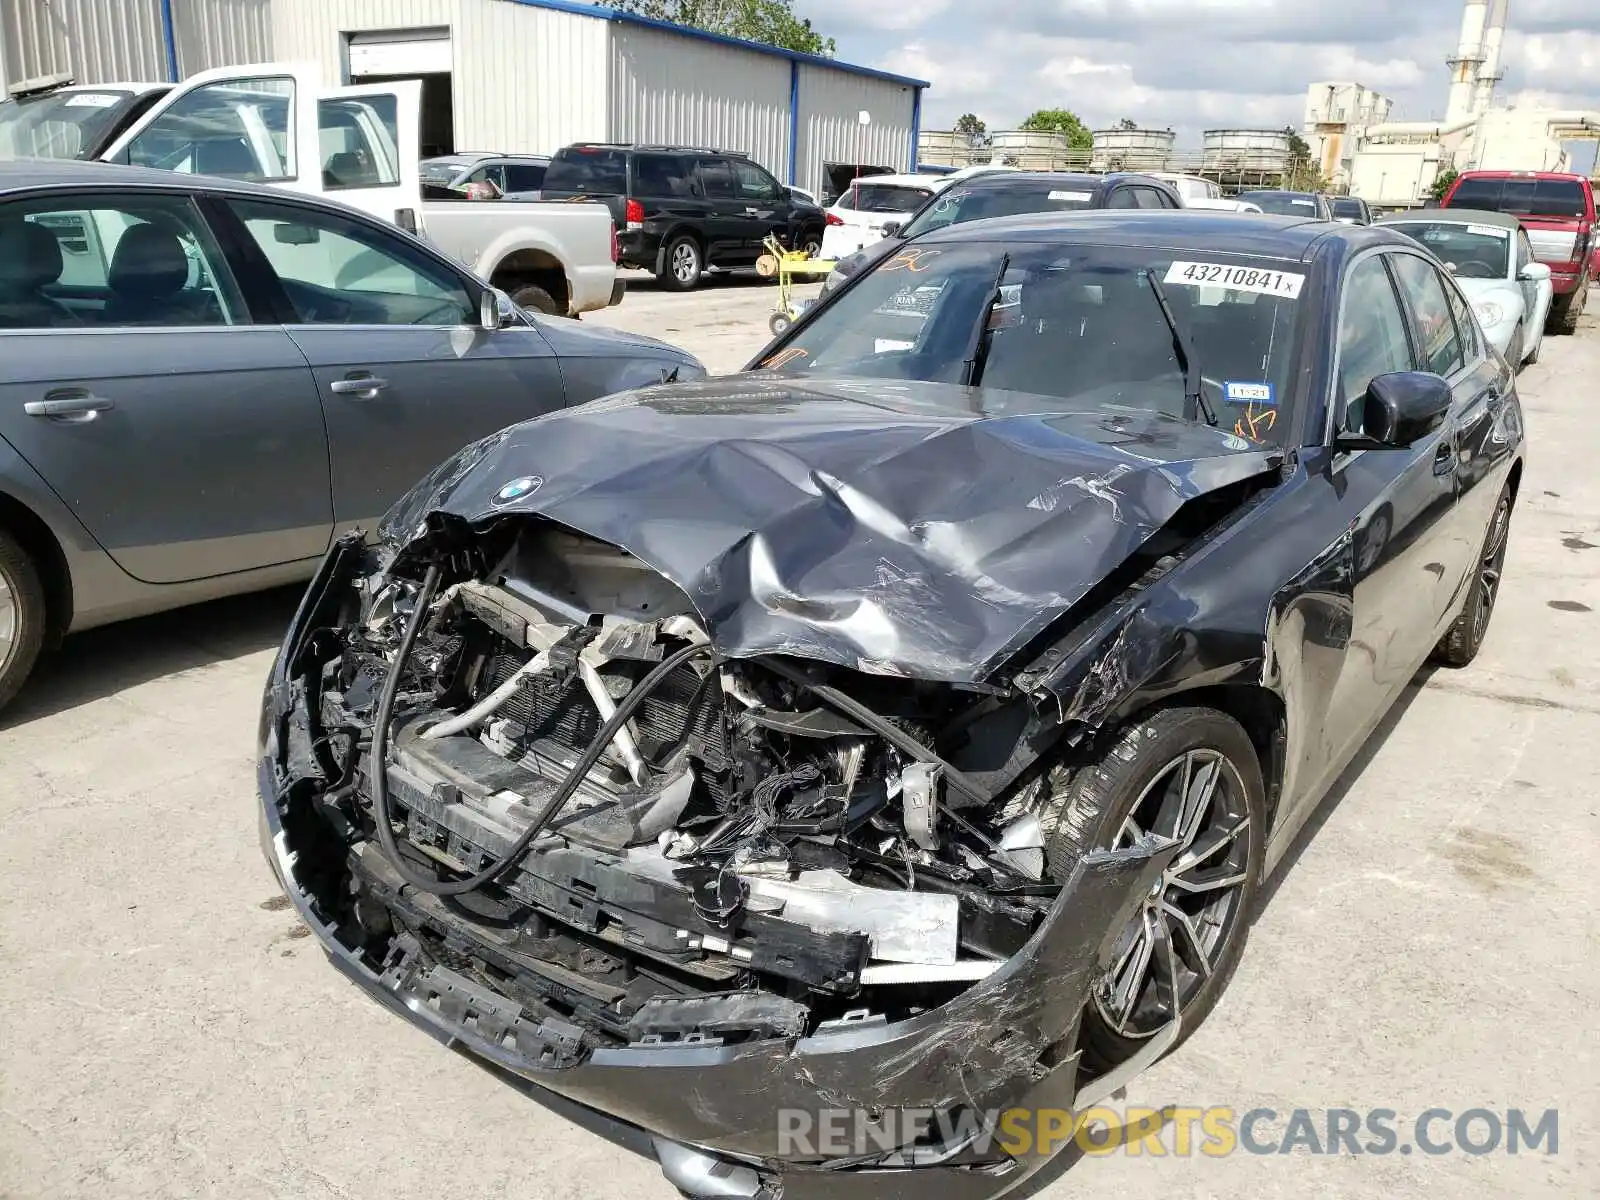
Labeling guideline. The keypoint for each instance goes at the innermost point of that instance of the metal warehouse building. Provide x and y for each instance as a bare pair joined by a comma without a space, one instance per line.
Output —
509,76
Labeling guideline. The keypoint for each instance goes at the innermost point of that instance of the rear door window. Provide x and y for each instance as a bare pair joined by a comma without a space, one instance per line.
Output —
665,175
593,171
524,177
716,178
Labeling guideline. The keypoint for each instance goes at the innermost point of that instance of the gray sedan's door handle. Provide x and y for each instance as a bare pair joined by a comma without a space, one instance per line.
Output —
68,407
358,386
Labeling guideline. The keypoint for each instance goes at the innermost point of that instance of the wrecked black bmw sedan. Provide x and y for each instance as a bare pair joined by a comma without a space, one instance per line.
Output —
907,723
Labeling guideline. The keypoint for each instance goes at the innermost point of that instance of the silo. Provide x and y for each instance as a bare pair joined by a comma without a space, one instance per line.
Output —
1256,150
1031,149
1132,149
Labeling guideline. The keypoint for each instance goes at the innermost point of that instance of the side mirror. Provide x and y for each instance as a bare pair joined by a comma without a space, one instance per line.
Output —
495,310
890,228
1534,273
1398,410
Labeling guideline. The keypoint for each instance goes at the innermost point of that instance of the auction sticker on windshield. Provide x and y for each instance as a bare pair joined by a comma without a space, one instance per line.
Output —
1079,197
1286,284
1493,231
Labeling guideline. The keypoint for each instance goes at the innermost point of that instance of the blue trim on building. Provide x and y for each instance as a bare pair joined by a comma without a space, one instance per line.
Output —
169,37
916,129
794,56
794,119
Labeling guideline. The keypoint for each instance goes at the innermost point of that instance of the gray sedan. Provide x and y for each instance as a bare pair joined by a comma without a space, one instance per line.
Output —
206,382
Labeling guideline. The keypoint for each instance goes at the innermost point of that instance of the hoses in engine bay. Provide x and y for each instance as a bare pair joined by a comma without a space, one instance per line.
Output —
380,746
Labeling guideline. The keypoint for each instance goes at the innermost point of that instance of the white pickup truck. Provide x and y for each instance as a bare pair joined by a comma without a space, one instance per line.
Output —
264,121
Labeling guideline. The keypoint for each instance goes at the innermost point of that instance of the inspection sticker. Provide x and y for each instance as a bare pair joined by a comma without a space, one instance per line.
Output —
1249,393
1079,197
1493,231
91,100
1286,284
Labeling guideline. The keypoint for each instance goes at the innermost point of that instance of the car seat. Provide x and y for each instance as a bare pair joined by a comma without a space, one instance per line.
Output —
30,260
149,272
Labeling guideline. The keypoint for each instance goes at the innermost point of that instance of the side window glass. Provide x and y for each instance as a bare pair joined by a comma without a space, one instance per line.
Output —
664,175
1524,251
753,182
523,178
359,139
1123,197
716,179
238,130
1466,323
104,261
1425,295
343,272
1372,336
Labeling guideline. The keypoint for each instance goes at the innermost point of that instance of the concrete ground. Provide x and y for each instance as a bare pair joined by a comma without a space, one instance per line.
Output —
171,1032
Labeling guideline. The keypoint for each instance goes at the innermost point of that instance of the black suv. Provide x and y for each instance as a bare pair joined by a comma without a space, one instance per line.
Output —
1010,194
679,211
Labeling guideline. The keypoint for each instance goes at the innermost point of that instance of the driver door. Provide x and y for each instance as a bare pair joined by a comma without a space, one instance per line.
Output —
274,123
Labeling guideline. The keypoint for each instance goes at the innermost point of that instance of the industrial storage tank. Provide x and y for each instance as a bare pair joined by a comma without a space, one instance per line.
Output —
1132,149
1246,150
1031,149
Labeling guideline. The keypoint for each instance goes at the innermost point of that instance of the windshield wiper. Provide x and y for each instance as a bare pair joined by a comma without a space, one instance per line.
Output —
1188,360
978,348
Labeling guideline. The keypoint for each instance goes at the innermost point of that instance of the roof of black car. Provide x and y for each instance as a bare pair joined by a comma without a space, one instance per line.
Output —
1202,229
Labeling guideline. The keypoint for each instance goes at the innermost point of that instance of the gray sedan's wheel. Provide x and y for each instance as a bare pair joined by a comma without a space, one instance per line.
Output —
1185,773
1461,645
22,616
684,264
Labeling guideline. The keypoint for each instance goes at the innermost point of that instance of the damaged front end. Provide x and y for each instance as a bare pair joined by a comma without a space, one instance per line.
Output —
521,798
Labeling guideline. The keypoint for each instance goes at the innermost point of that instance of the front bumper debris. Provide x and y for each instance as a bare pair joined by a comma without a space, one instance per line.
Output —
711,1113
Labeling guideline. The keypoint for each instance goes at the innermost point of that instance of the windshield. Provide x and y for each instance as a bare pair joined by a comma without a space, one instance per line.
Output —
1533,197
1284,204
58,125
1471,251
884,198
957,205
1068,326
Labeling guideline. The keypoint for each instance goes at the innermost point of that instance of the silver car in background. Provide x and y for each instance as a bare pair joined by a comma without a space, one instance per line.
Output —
207,381
1494,262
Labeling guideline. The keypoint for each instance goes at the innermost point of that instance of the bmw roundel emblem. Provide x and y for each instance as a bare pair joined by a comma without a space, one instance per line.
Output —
517,489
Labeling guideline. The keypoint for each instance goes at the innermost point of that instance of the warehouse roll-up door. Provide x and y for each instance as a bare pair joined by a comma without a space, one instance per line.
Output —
427,55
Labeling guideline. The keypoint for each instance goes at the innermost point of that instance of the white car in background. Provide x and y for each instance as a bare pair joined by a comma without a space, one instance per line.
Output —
1202,193
1492,259
858,217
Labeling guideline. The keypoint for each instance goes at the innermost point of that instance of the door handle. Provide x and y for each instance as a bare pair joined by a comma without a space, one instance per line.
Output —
68,407
358,386
1444,458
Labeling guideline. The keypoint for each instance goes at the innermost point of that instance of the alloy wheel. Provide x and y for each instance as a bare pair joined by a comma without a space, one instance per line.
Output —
685,262
1173,943
1492,568
8,619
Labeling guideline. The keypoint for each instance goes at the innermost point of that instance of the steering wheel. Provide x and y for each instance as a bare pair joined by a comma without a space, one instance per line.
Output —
1476,268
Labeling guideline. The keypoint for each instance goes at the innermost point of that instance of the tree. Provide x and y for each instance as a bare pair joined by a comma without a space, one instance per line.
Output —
1303,175
1442,184
1059,120
971,125
1127,123
769,21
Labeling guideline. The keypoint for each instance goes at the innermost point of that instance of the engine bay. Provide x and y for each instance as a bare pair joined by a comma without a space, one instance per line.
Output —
669,845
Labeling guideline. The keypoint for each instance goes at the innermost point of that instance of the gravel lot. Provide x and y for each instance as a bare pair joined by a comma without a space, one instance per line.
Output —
1433,944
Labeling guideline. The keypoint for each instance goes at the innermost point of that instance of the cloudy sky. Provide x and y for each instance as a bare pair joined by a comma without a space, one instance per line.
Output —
1190,65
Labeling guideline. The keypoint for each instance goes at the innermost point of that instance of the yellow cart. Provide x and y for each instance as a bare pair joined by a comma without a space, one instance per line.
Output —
787,266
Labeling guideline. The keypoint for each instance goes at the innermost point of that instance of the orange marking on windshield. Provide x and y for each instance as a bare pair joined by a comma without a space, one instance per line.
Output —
1256,423
910,260
784,357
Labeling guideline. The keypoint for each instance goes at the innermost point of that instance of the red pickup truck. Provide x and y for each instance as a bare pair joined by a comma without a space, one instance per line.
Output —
1558,211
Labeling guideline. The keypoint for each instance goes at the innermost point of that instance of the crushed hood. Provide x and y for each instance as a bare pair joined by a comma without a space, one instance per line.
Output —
902,529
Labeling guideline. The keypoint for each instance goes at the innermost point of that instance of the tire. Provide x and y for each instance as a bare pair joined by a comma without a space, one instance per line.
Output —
811,243
1516,350
682,264
535,298
1567,309
1461,645
1533,356
779,323
23,614
1090,807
